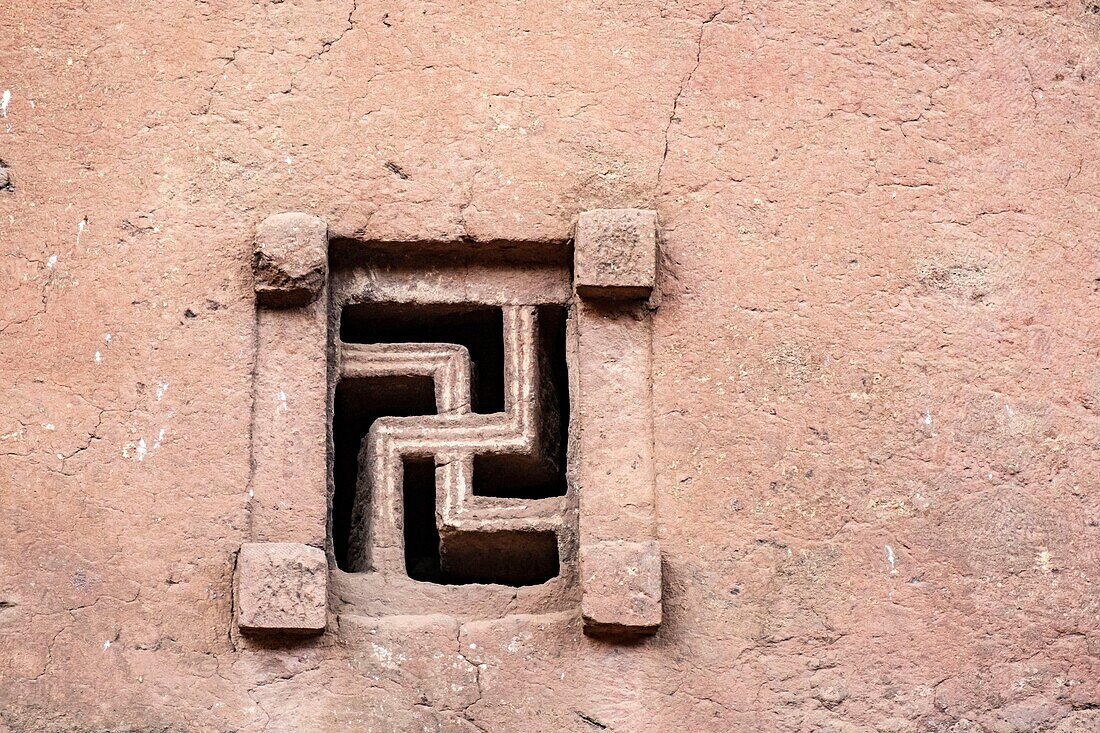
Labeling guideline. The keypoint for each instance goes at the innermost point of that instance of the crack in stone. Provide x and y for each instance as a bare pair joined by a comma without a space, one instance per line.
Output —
465,713
327,45
683,86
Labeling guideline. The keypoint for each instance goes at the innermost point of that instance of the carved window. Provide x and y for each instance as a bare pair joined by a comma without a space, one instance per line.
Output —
450,424
441,429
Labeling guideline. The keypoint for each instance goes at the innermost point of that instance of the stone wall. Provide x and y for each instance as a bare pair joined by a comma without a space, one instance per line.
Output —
875,375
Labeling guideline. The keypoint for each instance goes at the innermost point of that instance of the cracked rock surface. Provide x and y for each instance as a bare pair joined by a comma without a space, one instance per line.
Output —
876,368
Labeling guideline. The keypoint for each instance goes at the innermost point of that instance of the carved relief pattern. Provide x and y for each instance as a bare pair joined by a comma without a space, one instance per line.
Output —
452,438
543,501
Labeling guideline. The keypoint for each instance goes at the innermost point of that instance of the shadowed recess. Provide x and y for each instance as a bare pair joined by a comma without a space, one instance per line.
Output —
510,558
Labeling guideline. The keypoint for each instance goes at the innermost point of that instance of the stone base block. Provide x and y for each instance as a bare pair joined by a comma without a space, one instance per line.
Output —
621,587
281,587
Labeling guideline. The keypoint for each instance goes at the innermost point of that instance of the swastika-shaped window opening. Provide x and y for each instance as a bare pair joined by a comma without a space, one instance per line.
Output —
410,451
495,380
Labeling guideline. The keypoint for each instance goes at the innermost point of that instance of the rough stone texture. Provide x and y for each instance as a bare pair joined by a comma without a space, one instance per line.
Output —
876,377
613,458
616,253
291,259
281,587
621,584
287,491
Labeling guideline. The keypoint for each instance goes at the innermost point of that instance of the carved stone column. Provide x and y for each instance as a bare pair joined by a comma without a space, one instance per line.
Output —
620,565
282,576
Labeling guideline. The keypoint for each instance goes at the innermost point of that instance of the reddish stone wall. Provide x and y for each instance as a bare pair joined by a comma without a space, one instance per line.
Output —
875,374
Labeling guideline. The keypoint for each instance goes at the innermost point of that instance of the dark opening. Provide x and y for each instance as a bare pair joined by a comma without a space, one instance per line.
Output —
480,328
357,404
421,533
511,558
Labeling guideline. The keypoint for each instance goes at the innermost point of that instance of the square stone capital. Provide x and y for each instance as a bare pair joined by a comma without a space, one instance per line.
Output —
615,253
291,259
281,587
621,587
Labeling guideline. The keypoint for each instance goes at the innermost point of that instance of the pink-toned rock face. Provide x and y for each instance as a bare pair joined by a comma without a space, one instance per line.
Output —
875,371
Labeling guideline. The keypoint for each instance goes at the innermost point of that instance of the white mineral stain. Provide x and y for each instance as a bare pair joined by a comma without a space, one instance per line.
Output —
80,230
48,426
51,262
890,559
141,449
106,645
160,438
161,390
4,102
1043,561
98,357
281,407
382,654
927,424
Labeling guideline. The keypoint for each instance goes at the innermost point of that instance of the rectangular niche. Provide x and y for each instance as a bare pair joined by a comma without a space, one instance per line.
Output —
450,404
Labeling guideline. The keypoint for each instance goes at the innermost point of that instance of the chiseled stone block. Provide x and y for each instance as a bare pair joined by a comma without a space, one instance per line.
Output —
291,259
282,587
615,253
621,587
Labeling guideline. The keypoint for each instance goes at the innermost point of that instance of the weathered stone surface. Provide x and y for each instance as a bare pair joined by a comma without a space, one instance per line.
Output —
281,587
291,259
613,462
616,253
876,377
621,587
288,490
